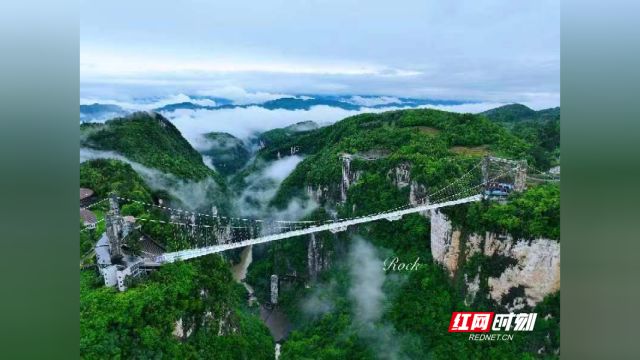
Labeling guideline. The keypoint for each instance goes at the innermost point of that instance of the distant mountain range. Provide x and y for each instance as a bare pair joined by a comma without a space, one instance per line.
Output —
99,112
306,102
95,112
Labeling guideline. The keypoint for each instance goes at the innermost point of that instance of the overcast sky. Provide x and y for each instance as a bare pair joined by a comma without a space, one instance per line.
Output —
482,50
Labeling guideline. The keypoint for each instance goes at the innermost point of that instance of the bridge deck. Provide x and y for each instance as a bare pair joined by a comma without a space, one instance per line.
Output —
392,215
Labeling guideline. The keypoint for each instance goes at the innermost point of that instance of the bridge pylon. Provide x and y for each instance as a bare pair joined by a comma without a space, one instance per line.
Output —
115,227
520,181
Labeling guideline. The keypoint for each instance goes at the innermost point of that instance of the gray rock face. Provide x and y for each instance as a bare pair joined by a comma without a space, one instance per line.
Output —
445,242
317,259
401,175
274,289
348,177
317,193
536,268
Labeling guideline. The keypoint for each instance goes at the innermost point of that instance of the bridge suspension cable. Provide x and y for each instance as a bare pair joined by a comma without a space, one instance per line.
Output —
204,233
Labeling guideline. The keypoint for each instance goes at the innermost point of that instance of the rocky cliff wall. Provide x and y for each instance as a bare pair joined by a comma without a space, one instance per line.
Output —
535,267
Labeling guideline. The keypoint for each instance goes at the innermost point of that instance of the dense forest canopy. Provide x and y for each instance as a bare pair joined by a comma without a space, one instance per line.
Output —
428,139
415,308
151,140
141,322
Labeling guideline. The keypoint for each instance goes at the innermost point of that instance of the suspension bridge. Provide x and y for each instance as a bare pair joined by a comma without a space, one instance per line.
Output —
199,234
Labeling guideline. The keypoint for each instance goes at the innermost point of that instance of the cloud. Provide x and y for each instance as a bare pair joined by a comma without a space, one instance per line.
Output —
240,96
244,122
262,187
193,195
373,101
320,301
490,51
280,169
367,278
148,104
368,300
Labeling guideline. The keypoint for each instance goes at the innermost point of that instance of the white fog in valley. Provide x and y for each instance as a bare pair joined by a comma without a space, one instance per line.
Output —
192,194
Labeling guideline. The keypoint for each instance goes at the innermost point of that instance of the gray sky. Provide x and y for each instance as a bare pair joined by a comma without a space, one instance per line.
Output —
484,50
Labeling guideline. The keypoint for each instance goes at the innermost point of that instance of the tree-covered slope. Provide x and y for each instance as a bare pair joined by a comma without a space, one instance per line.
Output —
141,322
104,176
279,136
428,139
514,113
539,128
228,154
151,140
416,306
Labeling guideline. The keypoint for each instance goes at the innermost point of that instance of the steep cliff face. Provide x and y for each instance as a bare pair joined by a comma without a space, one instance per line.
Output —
400,176
445,242
317,257
317,193
534,273
348,176
537,270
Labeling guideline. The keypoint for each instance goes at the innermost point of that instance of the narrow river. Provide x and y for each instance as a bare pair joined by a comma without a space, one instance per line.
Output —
274,319
239,270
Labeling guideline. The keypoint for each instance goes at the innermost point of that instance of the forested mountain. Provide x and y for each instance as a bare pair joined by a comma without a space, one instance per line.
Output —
227,153
100,108
301,102
407,315
515,113
435,147
425,137
98,112
275,137
141,323
151,140
540,128
185,310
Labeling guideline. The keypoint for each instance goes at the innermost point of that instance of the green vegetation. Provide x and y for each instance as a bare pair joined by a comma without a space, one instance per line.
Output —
151,140
228,153
438,147
397,136
533,213
515,113
104,176
276,137
140,322
541,129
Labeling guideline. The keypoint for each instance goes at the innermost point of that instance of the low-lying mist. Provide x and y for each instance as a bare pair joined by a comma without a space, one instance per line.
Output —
369,291
193,195
262,187
244,122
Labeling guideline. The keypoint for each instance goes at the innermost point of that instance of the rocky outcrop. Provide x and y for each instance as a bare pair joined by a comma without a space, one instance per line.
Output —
445,242
417,194
274,289
536,268
317,193
348,177
179,331
400,175
473,286
317,259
